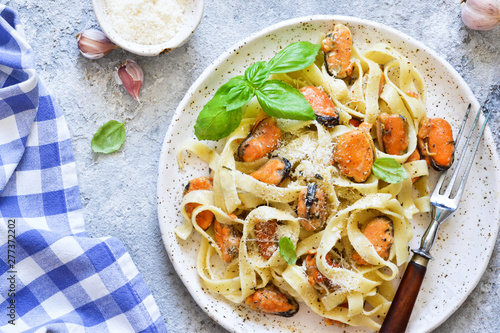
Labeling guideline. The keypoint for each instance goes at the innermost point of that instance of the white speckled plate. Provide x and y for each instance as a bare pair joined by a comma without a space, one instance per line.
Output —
465,241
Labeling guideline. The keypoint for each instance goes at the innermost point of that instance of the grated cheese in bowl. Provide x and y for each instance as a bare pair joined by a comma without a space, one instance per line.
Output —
148,27
147,22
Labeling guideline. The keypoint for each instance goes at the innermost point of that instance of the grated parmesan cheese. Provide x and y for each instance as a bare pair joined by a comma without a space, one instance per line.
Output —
146,22
313,157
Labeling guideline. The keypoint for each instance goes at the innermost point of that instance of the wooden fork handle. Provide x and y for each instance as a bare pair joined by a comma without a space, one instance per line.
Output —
402,305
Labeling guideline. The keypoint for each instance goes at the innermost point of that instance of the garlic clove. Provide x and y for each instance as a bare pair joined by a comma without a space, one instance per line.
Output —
94,44
481,14
131,76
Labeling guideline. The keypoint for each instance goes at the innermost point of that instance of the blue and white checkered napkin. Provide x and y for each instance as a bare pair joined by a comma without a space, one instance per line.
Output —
53,277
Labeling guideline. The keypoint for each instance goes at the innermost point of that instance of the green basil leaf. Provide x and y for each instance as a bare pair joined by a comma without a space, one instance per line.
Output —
238,92
220,96
109,137
389,170
294,57
287,250
281,100
257,73
215,121
222,114
233,94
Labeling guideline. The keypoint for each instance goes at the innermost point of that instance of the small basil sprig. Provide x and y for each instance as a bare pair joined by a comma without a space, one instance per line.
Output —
223,113
287,250
389,170
109,137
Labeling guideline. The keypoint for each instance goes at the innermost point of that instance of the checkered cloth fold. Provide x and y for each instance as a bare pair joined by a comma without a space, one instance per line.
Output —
53,277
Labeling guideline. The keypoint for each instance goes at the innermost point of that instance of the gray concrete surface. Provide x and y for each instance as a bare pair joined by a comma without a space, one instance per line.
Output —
119,190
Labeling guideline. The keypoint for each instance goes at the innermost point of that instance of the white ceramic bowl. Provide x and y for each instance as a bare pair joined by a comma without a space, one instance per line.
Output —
193,15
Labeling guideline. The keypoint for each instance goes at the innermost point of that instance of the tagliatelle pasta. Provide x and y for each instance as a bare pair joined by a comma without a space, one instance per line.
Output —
348,292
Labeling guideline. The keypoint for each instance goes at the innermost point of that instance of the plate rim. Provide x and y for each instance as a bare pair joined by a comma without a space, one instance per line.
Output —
487,137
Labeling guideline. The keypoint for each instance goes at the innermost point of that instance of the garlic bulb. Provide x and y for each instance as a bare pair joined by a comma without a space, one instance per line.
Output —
131,76
481,14
94,44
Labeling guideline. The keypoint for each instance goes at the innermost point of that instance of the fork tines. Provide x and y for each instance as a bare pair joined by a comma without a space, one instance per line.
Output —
443,187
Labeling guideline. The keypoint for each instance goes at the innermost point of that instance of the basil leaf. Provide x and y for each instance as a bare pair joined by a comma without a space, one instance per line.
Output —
215,121
109,137
257,73
230,92
287,250
222,114
238,92
294,57
389,170
281,100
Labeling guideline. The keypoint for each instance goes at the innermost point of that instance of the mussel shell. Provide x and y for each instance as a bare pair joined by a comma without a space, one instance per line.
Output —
328,121
330,72
438,167
379,129
292,312
186,188
285,170
310,197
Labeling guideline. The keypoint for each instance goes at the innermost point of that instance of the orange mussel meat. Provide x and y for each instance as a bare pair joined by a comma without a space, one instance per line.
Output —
392,133
264,137
380,232
354,153
274,172
271,300
435,142
206,217
228,239
323,107
337,46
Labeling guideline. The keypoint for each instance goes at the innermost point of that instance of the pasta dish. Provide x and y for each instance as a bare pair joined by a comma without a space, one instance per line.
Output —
294,212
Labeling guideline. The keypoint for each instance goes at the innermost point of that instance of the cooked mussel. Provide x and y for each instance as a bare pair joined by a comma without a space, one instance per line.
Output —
264,137
323,107
270,300
337,46
314,276
228,239
392,133
274,172
265,233
311,207
354,154
380,232
435,142
205,218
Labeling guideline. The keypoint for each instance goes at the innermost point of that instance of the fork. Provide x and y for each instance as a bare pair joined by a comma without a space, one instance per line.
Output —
444,200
